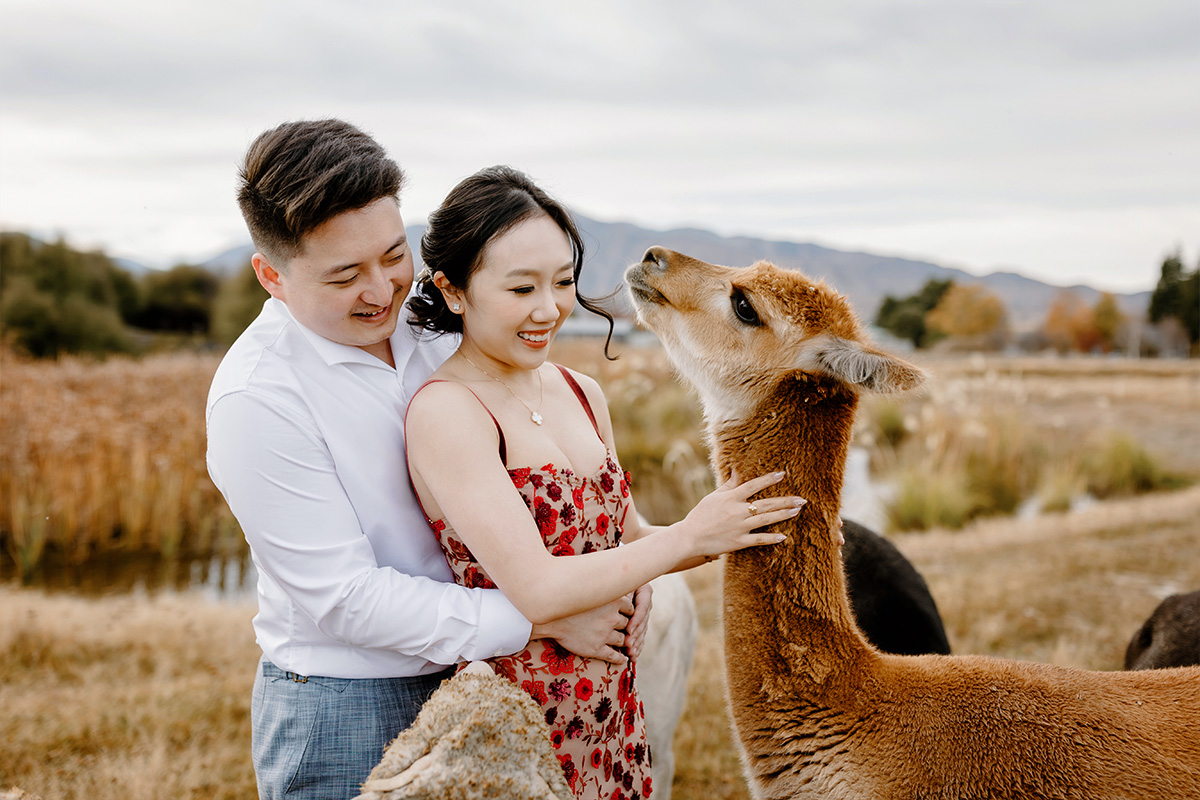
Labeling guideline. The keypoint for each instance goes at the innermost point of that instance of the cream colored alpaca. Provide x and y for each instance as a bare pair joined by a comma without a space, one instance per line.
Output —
779,363
14,793
662,672
479,736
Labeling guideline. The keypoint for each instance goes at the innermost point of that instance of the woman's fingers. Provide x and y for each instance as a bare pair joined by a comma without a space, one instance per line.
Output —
764,520
767,505
756,485
612,656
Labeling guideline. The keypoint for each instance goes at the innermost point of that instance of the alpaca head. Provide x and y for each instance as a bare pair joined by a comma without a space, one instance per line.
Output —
736,332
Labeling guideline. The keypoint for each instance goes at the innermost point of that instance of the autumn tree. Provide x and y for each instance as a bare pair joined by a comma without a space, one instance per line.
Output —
970,312
904,317
1107,321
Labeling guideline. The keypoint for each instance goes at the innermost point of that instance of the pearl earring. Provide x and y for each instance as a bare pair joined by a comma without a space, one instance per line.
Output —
456,308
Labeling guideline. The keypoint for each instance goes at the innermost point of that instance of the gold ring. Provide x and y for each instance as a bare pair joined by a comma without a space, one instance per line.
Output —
753,509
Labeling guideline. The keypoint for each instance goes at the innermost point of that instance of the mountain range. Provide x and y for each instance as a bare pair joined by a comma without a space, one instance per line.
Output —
865,278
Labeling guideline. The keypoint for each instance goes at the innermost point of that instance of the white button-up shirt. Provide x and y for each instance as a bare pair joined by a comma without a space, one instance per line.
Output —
306,443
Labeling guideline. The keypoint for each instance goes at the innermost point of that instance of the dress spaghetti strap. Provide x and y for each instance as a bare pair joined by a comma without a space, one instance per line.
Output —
582,397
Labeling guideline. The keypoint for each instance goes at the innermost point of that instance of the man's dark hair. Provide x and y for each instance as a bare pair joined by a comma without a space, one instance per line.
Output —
301,174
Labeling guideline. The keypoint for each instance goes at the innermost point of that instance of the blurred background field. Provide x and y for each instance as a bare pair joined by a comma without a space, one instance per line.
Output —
107,457
144,691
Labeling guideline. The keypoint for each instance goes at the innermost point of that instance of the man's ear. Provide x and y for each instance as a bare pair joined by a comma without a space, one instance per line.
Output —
268,276
449,292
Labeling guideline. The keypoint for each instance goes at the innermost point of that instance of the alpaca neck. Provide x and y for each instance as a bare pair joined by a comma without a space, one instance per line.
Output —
786,611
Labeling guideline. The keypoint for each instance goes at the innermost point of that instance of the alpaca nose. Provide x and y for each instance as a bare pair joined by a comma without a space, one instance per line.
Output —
656,257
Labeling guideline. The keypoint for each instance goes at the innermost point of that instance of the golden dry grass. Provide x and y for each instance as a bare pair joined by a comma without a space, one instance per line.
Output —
139,696
1076,400
143,697
992,433
125,697
98,456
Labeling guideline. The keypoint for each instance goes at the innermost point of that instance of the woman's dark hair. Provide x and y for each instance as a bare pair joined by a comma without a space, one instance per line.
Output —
480,208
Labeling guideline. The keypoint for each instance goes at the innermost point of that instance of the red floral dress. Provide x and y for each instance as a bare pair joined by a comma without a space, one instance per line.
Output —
596,720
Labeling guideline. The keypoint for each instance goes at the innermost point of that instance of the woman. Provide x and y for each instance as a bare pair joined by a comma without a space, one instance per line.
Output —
513,461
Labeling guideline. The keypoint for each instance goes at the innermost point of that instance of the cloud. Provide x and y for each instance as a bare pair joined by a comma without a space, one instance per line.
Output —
1054,137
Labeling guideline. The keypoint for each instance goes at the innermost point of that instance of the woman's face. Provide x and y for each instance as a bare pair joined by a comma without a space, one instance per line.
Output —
519,297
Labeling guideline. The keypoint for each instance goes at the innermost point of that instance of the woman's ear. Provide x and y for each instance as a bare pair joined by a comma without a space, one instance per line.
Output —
450,293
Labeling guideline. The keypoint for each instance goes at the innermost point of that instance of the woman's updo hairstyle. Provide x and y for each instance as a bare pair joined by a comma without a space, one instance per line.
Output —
480,208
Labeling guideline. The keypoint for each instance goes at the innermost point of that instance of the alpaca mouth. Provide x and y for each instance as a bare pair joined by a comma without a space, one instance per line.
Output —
642,292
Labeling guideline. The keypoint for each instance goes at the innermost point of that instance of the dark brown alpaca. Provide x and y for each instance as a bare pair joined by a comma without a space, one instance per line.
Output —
779,362
1170,637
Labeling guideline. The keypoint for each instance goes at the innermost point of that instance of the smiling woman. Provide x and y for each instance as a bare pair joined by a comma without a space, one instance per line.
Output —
514,463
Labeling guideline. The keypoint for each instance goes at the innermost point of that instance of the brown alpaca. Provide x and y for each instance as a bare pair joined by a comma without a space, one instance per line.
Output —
779,363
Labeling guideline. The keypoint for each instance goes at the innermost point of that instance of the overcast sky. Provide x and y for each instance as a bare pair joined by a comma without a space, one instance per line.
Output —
1059,139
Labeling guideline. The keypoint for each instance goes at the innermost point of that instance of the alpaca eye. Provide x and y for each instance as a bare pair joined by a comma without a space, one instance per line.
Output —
742,308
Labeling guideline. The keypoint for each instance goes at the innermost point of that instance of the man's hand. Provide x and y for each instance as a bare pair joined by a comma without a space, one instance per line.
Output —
595,633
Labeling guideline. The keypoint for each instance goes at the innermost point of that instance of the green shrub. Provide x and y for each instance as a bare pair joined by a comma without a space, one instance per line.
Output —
888,423
1119,465
924,499
1061,483
37,323
1001,466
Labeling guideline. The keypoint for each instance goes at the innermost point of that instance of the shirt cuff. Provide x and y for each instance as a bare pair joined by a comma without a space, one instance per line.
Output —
502,629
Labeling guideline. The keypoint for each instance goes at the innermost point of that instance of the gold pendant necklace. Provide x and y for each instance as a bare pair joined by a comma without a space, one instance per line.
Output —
534,414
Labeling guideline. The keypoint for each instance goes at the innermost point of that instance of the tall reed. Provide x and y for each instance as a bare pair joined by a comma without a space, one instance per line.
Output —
100,456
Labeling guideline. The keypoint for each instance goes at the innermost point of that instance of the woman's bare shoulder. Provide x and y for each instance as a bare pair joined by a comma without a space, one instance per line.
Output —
439,401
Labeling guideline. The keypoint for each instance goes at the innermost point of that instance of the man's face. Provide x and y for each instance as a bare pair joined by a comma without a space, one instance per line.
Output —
351,278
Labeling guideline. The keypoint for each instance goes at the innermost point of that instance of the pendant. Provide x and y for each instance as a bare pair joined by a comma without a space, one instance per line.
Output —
536,417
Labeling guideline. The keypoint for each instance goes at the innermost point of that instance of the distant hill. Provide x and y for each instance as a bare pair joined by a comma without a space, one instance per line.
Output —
865,278
231,260
134,268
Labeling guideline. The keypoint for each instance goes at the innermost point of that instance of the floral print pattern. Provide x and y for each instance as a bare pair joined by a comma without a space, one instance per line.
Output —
596,720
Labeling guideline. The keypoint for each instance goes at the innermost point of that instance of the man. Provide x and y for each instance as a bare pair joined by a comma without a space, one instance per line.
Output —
358,617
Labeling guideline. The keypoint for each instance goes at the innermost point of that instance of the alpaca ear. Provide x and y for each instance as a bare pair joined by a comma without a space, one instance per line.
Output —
864,367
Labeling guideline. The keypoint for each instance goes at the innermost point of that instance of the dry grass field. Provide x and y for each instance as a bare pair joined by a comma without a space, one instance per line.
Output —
104,456
133,697
147,695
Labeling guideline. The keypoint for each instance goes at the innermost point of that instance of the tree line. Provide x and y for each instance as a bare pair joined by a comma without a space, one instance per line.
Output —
57,300
968,316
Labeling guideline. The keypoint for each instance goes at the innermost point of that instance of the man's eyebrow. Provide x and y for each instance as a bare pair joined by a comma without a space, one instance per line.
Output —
333,271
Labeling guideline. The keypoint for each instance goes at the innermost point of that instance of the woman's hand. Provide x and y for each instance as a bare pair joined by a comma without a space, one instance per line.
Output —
595,633
724,520
639,623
